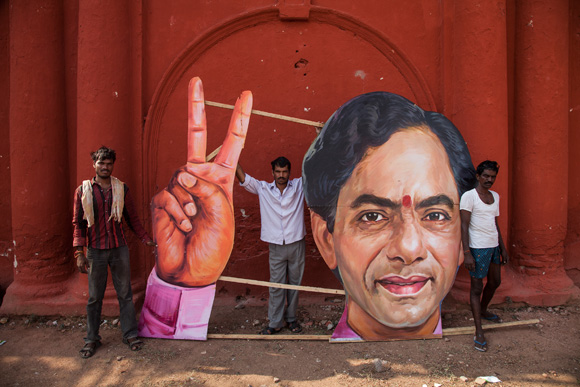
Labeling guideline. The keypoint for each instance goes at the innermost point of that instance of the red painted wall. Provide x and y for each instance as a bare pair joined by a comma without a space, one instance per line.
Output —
121,78
572,242
6,272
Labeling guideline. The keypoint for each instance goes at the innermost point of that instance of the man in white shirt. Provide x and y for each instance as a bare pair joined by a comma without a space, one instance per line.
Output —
282,215
483,245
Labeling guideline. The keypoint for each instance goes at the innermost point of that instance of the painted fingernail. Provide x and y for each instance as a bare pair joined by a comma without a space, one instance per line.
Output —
186,180
185,225
197,88
190,209
247,103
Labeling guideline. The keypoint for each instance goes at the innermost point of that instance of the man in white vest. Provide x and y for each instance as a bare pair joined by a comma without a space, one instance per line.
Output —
482,245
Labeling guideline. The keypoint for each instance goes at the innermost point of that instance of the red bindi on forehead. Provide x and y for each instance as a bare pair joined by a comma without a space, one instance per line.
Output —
407,201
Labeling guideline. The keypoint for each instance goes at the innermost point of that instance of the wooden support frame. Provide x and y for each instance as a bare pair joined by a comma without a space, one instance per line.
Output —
282,286
446,332
316,124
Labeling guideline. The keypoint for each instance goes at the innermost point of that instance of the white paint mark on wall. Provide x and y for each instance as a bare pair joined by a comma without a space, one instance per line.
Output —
531,23
360,74
307,109
381,78
116,94
15,261
243,211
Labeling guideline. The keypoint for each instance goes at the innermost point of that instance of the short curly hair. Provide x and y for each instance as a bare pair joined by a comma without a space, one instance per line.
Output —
104,153
281,162
487,164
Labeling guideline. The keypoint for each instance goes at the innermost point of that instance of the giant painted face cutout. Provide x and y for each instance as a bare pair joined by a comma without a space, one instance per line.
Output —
384,201
397,233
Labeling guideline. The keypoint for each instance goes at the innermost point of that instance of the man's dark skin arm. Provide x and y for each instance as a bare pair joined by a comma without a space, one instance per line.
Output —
82,261
468,261
240,174
503,251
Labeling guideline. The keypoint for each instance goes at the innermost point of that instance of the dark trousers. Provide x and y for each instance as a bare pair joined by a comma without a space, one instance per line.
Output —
99,261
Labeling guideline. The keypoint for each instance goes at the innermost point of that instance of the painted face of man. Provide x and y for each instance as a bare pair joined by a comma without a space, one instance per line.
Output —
397,233
104,168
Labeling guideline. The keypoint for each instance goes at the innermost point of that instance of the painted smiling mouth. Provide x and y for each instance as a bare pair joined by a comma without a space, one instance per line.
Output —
403,286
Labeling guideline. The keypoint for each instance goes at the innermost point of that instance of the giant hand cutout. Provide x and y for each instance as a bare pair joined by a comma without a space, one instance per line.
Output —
193,219
193,225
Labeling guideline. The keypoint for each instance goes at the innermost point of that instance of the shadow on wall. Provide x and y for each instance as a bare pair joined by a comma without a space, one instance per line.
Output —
572,262
6,269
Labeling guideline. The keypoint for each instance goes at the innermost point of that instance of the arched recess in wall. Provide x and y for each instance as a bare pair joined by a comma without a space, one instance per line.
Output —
327,31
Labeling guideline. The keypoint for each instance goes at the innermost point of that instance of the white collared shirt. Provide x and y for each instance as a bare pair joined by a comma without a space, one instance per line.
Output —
282,214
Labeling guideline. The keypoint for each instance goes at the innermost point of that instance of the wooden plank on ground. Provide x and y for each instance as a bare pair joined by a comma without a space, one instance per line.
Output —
446,332
268,337
471,329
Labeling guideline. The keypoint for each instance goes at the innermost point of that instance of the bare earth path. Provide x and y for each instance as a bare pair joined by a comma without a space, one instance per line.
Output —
44,352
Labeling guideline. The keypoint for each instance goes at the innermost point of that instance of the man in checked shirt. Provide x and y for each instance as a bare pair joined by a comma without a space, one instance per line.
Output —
99,206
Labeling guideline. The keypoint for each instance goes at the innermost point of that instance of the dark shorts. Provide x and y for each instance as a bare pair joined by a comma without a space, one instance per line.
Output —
483,257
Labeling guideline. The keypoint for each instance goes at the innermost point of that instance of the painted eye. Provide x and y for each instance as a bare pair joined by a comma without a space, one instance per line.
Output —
436,217
372,217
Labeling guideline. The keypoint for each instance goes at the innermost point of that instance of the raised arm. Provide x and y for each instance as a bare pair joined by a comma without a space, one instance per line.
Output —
240,174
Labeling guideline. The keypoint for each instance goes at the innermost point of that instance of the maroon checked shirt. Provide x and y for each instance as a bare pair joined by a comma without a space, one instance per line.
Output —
104,234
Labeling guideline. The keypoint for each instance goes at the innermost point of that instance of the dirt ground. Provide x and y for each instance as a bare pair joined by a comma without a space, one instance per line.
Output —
42,351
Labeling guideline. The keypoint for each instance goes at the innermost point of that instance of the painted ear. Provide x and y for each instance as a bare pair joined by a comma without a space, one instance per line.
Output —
324,239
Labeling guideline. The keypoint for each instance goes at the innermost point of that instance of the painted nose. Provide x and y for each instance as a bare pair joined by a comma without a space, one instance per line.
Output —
407,244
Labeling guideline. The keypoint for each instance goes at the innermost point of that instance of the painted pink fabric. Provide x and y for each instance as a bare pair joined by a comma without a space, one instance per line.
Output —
175,312
343,332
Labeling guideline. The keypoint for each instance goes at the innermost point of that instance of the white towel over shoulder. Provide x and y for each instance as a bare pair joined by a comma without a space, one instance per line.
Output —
118,200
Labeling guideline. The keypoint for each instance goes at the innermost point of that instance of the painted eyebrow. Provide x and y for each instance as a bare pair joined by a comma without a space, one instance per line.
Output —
376,200
435,200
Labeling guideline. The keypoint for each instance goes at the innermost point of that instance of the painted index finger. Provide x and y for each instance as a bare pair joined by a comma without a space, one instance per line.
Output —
196,123
234,143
